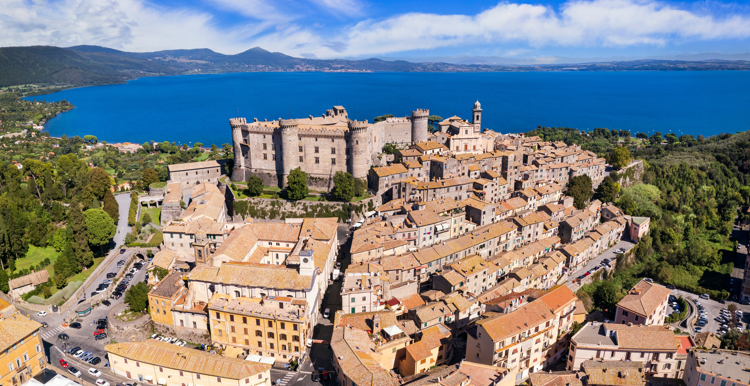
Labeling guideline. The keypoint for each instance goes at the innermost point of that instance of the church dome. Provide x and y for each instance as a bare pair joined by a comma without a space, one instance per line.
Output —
477,105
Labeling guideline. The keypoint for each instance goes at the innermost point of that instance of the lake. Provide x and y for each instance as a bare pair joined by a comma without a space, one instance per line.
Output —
197,108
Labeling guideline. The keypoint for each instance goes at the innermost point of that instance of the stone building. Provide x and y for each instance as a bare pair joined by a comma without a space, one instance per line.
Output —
320,146
194,173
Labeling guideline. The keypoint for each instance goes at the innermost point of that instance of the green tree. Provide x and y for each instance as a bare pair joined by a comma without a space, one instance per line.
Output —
90,138
197,145
100,227
137,296
605,296
607,190
580,188
160,272
360,187
619,157
99,182
390,148
382,118
296,188
145,218
671,137
111,206
254,186
343,188
4,281
433,121
149,177
656,138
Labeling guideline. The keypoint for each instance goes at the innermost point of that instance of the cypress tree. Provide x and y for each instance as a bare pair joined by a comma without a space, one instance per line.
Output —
111,206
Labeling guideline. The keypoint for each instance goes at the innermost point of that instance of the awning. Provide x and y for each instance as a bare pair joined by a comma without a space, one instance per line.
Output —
162,381
261,359
148,378
370,214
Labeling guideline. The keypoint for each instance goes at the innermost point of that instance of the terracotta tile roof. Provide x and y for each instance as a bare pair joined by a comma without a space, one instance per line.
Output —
398,263
364,320
34,278
171,356
425,217
557,378
412,301
459,301
163,259
558,298
393,205
500,289
707,339
238,244
15,328
443,205
352,348
429,145
282,232
386,171
644,298
203,273
644,337
320,228
475,203
514,203
620,373
470,265
206,204
453,277
520,320
432,338
170,285
431,311
262,275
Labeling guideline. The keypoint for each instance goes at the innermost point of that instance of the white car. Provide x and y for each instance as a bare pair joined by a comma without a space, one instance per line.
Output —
42,313
101,382
95,372
698,329
154,336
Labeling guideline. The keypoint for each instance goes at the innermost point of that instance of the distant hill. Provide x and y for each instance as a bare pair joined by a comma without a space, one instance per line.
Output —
91,65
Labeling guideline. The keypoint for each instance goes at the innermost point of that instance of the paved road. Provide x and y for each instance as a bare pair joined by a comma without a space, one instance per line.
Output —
83,337
608,254
122,225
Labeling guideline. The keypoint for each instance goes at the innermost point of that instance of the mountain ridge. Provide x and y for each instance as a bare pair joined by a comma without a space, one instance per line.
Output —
85,65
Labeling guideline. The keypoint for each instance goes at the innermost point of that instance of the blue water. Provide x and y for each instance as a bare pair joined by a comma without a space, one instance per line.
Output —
197,108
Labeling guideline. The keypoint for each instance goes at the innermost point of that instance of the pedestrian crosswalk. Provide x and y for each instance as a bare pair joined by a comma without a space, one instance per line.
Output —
51,334
288,377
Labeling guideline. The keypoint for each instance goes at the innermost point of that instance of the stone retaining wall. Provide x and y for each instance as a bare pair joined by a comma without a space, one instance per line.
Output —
631,174
280,209
186,334
134,331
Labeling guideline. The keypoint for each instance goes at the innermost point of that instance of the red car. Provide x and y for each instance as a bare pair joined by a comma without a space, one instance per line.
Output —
324,376
587,274
63,363
97,332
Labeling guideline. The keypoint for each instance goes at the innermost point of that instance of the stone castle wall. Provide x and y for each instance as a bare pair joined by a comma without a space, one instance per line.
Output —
397,130
134,331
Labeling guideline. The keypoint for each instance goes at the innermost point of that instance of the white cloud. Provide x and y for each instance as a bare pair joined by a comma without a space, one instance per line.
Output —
615,23
280,25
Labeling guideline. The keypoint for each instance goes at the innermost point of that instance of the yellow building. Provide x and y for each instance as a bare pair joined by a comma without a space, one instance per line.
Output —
157,362
21,350
429,352
274,326
162,297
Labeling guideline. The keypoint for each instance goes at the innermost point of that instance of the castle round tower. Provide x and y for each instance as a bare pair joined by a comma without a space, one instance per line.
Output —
419,125
360,160
289,146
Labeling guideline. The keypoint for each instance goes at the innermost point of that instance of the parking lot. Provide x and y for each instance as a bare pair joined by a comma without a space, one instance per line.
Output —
611,254
713,309
83,337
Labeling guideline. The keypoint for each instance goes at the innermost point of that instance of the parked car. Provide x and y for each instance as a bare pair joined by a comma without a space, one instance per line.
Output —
325,376
95,361
74,349
111,275
42,313
670,286
698,329
106,303
63,363
44,325
648,279
327,313
101,382
74,371
705,296
100,336
63,337
95,372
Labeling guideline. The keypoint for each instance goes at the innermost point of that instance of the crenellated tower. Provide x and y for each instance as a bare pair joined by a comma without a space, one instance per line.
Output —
419,124
360,159
289,146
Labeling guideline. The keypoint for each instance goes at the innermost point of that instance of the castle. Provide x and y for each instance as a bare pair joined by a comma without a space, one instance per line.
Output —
321,146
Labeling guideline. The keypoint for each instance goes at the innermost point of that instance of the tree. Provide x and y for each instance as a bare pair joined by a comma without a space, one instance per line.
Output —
619,157
390,148
579,187
642,135
607,190
137,296
360,187
100,227
382,118
197,145
606,295
254,186
90,138
149,177
99,182
671,137
296,188
145,218
656,138
433,120
343,187
4,281
111,206
160,272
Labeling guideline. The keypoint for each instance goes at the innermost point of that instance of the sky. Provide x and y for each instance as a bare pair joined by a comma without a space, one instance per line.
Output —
531,31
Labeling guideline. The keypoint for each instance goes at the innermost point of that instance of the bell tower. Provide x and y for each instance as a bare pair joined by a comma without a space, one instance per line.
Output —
476,116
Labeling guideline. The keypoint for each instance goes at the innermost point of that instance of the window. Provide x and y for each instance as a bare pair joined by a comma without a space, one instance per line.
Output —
333,150
161,369
198,376
723,383
218,379
364,298
219,332
231,317
270,346
624,313
257,322
264,147
182,374
218,315
244,321
137,364
38,348
300,159
270,323
232,327
247,342
260,344
294,327
258,333
265,156
317,149
270,335
300,149
333,161
295,338
317,160
282,326
282,336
